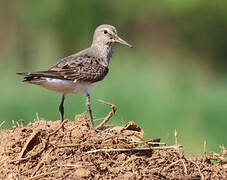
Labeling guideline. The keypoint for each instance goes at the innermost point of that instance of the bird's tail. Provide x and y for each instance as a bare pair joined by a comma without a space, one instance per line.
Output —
22,73
27,76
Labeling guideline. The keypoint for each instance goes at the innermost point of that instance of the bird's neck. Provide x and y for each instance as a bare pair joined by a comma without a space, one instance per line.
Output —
103,51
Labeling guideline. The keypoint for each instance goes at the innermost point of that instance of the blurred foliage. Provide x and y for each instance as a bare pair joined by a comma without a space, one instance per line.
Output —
175,77
197,25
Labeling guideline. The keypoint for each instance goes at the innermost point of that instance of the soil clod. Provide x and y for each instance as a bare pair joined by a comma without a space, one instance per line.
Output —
38,151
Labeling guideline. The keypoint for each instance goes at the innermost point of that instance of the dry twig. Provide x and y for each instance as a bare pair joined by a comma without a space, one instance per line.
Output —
28,157
200,173
42,175
42,161
2,160
33,135
30,139
176,162
61,125
111,113
50,150
172,164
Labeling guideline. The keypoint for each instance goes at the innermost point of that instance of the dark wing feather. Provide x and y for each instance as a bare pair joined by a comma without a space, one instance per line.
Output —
76,68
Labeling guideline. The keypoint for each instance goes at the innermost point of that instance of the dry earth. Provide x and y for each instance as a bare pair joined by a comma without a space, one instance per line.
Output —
42,151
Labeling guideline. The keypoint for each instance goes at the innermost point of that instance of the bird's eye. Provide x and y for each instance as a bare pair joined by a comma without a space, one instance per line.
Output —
105,32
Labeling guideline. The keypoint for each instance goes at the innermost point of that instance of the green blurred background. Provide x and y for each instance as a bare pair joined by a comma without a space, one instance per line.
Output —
174,78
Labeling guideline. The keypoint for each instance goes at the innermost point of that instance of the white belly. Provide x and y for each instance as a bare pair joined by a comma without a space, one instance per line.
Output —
66,86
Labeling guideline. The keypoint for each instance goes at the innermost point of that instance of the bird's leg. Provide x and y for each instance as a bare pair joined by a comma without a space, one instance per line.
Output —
61,110
89,110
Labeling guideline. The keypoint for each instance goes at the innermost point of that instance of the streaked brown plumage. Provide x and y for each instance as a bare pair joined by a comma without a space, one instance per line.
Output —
81,68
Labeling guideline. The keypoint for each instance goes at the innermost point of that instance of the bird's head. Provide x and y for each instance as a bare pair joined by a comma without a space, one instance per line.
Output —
107,35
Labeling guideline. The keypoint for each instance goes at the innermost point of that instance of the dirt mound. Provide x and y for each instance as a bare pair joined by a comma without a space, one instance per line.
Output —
42,151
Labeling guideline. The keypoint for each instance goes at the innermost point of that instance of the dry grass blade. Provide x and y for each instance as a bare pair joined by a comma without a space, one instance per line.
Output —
156,143
175,136
150,142
204,148
135,149
129,160
185,168
2,123
67,145
74,165
37,116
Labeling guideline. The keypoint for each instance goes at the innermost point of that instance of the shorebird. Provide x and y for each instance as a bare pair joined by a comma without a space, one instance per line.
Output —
79,72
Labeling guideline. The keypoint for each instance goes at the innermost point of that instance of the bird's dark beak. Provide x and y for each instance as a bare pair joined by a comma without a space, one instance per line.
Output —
119,40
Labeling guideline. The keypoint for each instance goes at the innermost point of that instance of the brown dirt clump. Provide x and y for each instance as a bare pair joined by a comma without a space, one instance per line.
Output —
42,151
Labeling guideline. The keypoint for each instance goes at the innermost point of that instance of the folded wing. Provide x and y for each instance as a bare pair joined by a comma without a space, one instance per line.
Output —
80,68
